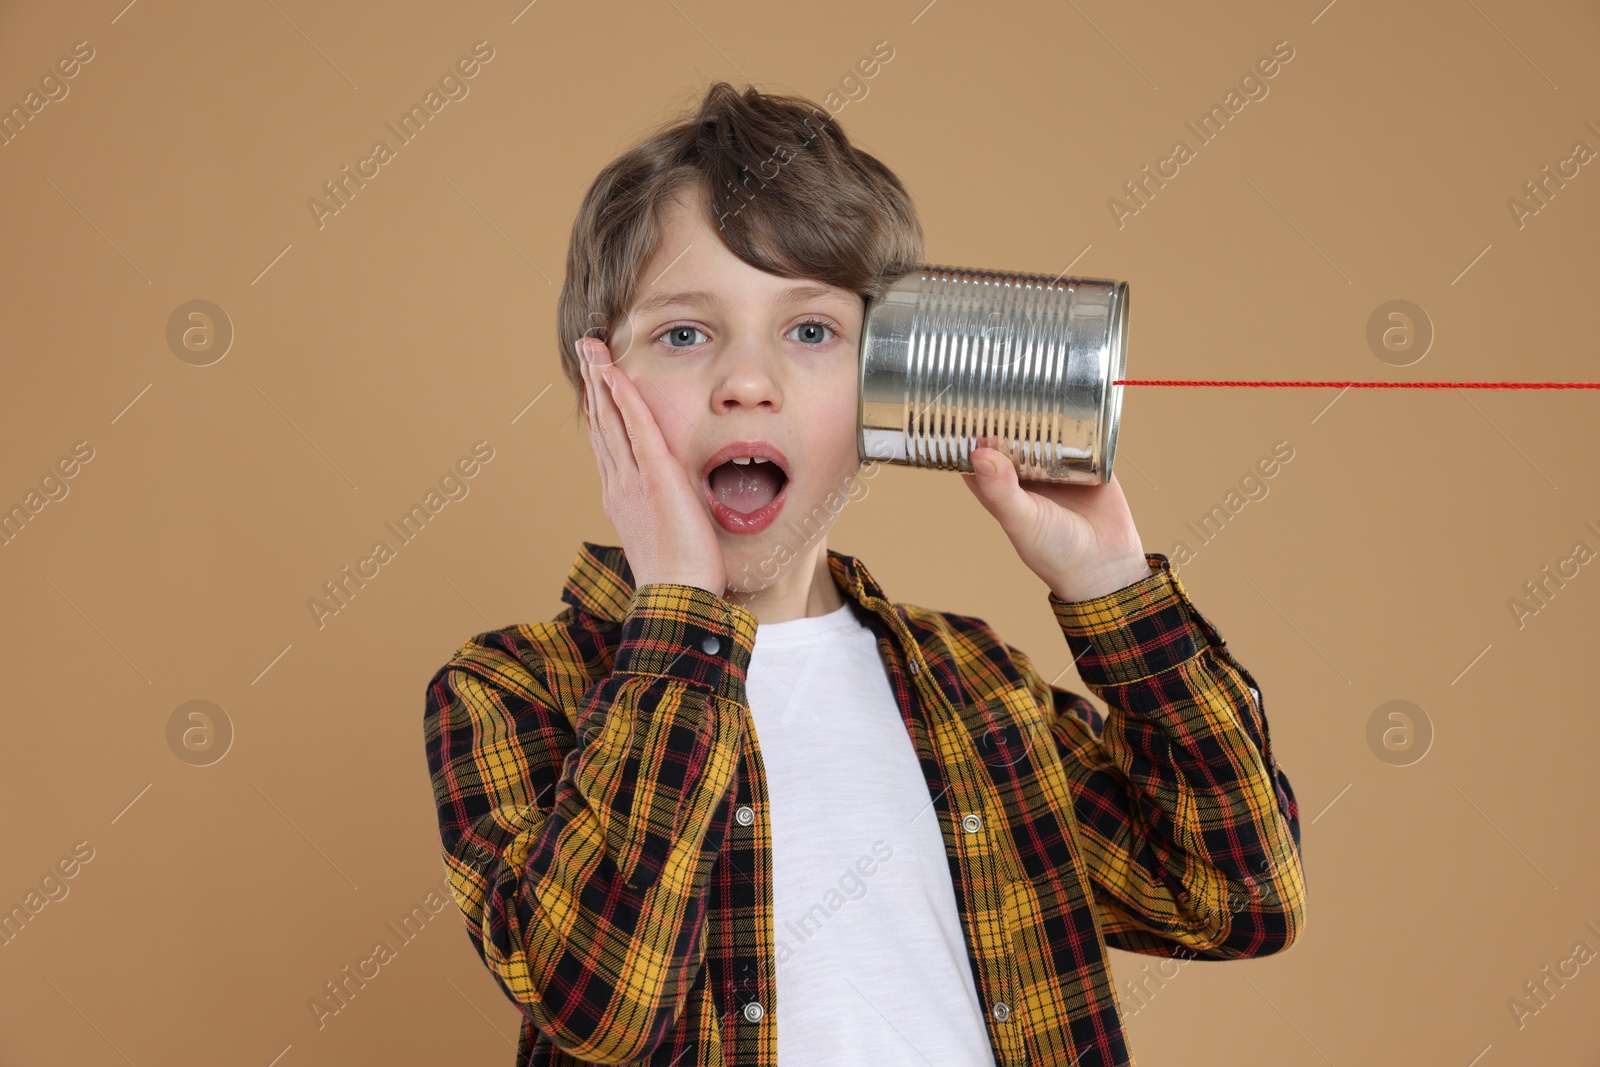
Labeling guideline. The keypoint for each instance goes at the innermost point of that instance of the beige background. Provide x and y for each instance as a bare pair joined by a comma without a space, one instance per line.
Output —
373,352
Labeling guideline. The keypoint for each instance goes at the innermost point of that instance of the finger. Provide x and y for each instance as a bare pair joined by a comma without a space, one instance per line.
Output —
606,417
999,490
597,436
613,422
993,469
591,418
643,432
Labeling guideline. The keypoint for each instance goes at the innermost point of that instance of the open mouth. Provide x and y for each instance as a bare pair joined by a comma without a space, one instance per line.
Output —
747,486
747,489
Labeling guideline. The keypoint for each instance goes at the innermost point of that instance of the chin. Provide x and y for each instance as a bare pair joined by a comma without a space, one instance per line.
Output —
755,561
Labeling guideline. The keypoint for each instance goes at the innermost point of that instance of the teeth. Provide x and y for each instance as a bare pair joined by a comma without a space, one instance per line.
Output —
741,460
758,459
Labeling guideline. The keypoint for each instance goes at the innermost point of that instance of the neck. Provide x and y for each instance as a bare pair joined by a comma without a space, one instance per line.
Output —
805,588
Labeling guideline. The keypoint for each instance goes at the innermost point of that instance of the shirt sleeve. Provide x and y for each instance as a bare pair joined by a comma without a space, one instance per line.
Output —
1190,830
581,858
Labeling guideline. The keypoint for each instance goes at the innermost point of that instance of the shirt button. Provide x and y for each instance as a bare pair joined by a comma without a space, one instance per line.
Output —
972,823
745,814
753,1010
711,644
1002,1011
916,668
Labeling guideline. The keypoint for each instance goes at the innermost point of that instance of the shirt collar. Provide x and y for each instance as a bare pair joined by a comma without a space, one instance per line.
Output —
601,582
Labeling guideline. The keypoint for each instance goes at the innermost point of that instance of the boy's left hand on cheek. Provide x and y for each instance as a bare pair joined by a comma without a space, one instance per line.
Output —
1080,539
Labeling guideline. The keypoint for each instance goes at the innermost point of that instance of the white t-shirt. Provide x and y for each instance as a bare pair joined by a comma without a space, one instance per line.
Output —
871,961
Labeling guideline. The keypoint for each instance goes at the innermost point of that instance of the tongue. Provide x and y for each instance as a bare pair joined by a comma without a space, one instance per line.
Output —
748,487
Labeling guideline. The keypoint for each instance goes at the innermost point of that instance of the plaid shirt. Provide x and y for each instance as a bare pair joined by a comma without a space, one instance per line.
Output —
606,834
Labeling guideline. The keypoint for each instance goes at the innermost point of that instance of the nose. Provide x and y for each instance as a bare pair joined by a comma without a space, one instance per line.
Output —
747,374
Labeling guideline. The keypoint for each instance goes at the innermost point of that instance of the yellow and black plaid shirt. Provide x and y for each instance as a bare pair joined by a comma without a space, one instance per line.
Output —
606,830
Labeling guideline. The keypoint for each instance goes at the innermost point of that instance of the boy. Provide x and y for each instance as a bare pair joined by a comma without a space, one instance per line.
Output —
731,783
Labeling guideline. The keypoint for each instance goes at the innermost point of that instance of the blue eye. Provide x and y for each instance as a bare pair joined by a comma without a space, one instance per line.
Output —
682,333
813,325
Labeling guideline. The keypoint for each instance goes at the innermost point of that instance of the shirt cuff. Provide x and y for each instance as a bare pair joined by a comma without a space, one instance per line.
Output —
688,633
1134,632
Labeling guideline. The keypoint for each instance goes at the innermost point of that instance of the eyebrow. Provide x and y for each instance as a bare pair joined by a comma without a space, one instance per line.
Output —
700,298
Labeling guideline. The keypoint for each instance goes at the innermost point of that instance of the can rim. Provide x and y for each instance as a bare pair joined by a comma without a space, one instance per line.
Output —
1111,405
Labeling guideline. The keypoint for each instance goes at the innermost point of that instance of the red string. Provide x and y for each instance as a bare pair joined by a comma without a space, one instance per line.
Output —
1363,385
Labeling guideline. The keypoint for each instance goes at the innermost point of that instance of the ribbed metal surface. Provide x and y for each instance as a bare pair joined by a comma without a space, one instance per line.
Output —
950,355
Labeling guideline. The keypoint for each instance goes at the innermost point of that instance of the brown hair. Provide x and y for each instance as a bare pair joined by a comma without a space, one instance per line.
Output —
789,193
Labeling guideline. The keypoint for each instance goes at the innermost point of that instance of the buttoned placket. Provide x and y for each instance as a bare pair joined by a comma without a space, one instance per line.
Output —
744,815
971,822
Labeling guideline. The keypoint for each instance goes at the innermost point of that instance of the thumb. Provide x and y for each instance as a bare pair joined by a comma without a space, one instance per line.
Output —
996,485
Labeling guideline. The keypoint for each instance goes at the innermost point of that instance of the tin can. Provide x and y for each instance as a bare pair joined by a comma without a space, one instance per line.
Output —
953,358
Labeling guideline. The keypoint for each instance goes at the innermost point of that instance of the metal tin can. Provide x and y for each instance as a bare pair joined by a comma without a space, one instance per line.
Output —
953,358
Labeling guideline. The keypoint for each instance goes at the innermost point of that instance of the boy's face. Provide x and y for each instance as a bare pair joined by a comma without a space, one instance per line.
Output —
724,353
